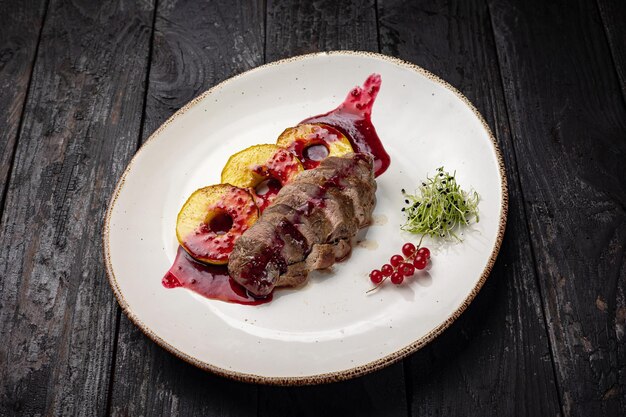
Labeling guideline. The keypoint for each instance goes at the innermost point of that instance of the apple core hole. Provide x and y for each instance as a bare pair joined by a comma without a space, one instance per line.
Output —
270,185
316,152
221,223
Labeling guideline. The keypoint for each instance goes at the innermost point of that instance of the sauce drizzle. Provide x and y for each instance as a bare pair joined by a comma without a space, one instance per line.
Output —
353,118
210,281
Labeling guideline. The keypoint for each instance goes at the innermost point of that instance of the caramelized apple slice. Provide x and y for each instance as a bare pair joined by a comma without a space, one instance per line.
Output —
212,219
312,143
263,169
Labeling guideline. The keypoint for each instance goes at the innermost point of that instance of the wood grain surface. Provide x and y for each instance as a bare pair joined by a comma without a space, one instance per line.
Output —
496,357
613,14
568,124
20,30
83,84
322,25
79,129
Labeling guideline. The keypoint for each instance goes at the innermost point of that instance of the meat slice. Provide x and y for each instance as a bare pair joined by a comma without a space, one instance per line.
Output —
321,256
360,192
308,226
288,239
315,200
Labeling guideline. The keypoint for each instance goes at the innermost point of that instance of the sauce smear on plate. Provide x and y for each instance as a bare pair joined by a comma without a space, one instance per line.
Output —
353,118
210,281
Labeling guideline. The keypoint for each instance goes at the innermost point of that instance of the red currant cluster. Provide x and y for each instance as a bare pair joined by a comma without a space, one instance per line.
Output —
402,266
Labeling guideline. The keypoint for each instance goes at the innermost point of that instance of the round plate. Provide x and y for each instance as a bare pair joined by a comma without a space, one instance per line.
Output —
329,329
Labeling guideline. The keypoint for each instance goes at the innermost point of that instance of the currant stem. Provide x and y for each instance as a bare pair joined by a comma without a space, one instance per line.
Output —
377,285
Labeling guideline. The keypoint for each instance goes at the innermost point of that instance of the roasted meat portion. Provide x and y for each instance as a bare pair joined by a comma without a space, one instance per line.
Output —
308,226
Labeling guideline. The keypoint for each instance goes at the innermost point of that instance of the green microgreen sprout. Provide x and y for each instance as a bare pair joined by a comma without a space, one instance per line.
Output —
440,207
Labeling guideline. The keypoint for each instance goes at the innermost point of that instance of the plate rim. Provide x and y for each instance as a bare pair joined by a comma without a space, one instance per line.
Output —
329,376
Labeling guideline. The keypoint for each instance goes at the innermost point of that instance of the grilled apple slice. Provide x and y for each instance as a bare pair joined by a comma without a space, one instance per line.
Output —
263,169
212,219
312,143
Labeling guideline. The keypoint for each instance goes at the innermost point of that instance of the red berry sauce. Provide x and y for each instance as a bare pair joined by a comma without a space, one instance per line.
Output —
353,119
211,281
313,147
278,171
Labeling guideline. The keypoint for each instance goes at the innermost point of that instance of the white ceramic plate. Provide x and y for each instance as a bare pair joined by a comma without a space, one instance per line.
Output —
330,329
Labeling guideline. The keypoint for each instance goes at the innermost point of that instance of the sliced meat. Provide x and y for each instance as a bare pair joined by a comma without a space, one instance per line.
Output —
314,200
359,187
290,241
325,255
321,256
361,192
308,226
256,265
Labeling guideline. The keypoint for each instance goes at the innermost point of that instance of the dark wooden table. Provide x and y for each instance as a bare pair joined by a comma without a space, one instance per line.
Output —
83,83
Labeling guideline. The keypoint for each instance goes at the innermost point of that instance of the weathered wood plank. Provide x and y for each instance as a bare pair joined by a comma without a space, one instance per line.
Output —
378,394
568,122
20,27
613,13
196,45
81,122
297,27
495,359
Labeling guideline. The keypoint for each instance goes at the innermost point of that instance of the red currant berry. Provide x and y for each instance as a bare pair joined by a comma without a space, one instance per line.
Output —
424,252
408,249
387,270
376,276
397,278
396,260
419,262
407,269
